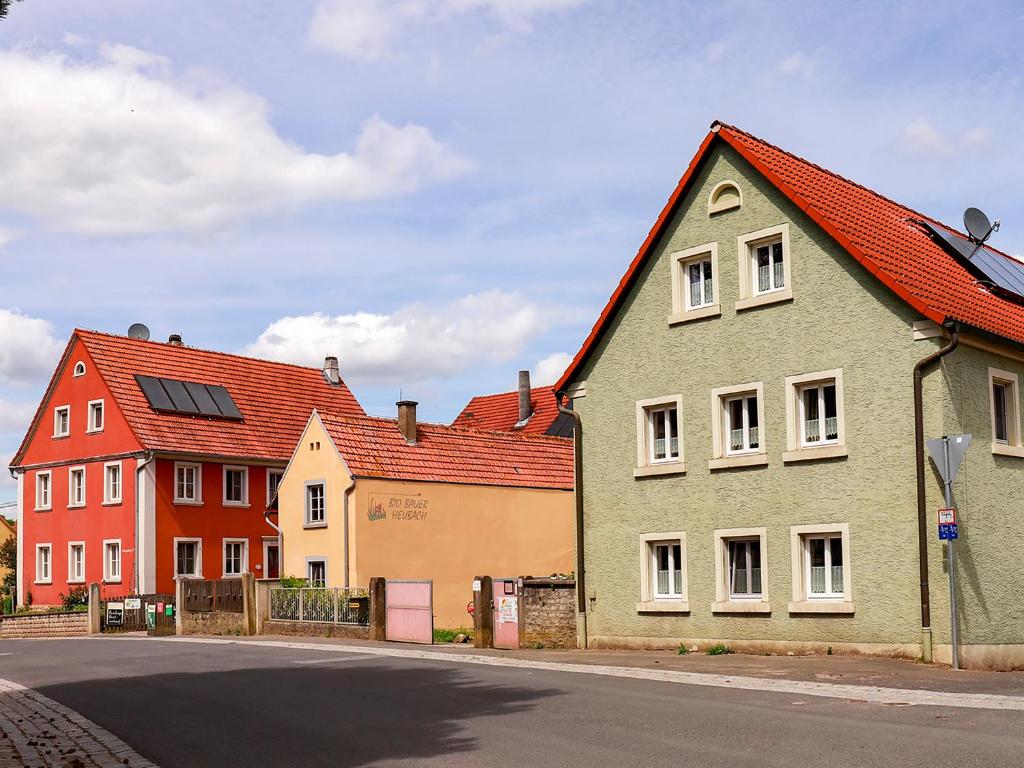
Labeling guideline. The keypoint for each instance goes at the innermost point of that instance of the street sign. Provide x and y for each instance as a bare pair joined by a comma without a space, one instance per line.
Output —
958,445
132,603
948,532
947,516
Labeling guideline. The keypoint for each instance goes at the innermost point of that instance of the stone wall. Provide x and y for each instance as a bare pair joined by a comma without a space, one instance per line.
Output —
44,625
548,613
310,629
212,623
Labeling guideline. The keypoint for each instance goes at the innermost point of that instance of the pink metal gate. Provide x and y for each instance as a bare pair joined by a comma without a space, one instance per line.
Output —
506,613
410,611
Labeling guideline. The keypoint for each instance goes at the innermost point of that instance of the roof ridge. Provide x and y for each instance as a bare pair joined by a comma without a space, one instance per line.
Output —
448,427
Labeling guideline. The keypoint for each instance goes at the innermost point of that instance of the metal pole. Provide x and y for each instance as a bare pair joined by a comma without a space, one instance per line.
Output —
951,562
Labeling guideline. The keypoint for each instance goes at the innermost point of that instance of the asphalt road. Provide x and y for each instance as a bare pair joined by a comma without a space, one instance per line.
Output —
215,705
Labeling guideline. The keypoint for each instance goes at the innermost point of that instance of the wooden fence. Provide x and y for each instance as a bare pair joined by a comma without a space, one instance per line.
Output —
134,619
204,595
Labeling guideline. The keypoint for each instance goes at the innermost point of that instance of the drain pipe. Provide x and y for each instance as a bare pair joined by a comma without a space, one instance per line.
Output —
581,582
922,511
280,536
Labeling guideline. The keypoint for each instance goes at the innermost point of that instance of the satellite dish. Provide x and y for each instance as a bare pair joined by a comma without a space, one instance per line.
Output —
978,225
138,331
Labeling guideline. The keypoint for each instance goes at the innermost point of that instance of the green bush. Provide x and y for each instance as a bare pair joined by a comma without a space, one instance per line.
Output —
75,599
719,650
449,635
293,582
683,650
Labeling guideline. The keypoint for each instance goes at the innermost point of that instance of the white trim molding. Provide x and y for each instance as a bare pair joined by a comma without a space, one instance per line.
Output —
746,247
71,571
57,433
145,545
244,502
724,196
92,424
108,497
679,262
49,563
1008,381
72,504
224,556
724,603
198,574
197,484
796,450
649,602
271,471
78,370
48,474
108,575
646,465
723,459
802,602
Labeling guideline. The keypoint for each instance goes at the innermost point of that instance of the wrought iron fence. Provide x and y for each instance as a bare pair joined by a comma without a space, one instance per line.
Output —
320,605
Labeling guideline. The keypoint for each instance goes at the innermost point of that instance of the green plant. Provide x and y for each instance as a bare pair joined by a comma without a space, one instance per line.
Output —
449,635
683,650
719,650
75,598
293,582
829,651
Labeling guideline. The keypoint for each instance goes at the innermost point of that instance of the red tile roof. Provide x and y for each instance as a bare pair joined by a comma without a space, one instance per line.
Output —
375,448
501,412
879,233
275,398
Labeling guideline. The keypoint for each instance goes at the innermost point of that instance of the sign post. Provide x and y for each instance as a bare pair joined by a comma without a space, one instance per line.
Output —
947,453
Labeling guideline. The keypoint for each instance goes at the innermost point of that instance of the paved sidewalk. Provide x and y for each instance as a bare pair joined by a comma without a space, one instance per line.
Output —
38,732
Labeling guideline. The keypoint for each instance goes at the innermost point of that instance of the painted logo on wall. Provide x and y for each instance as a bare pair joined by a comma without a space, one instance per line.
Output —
397,506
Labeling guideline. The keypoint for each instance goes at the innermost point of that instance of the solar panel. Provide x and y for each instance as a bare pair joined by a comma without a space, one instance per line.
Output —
201,397
183,403
188,397
223,399
155,393
1004,274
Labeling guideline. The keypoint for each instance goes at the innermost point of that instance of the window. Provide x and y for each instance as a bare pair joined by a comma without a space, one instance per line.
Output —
316,573
44,574
76,562
821,572
668,575
112,482
316,511
764,267
737,432
236,486
62,421
659,436
694,284
112,560
741,571
725,196
95,416
663,573
814,415
79,369
236,557
188,481
273,482
1005,402
43,485
188,557
76,487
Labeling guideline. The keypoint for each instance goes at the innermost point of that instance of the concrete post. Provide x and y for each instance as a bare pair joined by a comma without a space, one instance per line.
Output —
179,606
263,587
483,613
248,604
94,609
378,608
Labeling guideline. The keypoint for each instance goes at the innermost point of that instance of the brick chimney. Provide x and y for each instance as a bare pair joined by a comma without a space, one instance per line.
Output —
331,371
407,420
175,340
525,410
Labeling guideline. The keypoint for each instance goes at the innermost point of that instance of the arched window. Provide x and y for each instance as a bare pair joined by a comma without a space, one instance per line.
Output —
79,368
724,197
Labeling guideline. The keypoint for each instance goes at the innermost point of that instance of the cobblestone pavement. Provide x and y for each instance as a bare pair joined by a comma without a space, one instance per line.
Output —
38,732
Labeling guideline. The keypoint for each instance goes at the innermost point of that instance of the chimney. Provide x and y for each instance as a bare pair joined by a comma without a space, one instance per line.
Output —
407,420
525,411
175,340
331,372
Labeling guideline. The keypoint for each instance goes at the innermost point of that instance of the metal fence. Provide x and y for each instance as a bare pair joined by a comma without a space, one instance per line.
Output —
320,605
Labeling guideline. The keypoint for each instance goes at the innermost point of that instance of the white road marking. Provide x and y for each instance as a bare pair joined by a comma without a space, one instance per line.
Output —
868,693
354,657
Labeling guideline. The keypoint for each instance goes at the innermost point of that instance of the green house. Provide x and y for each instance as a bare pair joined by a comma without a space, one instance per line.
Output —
747,400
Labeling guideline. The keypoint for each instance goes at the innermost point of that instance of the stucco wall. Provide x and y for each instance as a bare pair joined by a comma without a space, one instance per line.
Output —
840,317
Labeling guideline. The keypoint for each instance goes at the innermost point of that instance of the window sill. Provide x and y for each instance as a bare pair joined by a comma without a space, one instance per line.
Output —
821,606
701,313
93,431
62,437
999,449
763,299
44,583
111,581
748,460
75,581
663,606
313,526
76,506
117,503
741,606
812,454
43,509
654,470
239,504
187,503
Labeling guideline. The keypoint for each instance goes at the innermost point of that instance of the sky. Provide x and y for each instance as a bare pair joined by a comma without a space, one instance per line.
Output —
439,192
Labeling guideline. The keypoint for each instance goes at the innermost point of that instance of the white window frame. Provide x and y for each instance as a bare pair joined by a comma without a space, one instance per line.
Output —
1011,388
267,542
796,448
91,411
224,556
680,262
72,504
646,464
39,506
280,474
48,579
109,577
199,557
108,497
56,421
723,458
802,600
197,468
72,578
309,565
650,601
78,370
724,601
746,248
308,522
245,485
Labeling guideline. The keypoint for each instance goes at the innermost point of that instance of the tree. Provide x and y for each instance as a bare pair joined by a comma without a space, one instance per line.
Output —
5,5
9,555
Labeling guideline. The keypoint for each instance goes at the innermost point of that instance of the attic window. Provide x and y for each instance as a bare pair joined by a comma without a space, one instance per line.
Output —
79,369
724,197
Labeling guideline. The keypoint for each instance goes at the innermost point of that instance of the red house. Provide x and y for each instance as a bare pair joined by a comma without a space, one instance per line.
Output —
149,460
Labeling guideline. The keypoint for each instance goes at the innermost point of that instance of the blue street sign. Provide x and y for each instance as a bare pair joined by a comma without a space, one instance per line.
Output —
947,531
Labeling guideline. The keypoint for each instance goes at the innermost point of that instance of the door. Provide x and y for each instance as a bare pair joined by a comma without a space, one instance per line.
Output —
410,611
506,613
273,562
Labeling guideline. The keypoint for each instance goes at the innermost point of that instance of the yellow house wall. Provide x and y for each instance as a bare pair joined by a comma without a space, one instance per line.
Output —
5,533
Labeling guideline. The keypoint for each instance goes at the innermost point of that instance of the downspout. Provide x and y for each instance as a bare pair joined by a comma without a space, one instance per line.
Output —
581,581
345,507
922,511
143,460
280,536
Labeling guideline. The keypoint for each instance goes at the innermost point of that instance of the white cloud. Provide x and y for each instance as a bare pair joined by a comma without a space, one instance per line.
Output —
799,65
416,343
921,136
118,145
369,29
28,349
6,236
14,417
550,369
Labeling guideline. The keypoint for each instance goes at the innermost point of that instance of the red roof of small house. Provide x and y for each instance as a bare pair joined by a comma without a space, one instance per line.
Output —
275,399
501,412
375,448
882,235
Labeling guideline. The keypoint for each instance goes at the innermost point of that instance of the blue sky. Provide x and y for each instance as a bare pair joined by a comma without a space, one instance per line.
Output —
440,192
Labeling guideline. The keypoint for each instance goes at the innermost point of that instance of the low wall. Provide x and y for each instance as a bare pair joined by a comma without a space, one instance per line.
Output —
212,623
310,629
29,625
548,613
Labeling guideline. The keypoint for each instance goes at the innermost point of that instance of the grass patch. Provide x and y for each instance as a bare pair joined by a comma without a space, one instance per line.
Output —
449,635
719,650
683,650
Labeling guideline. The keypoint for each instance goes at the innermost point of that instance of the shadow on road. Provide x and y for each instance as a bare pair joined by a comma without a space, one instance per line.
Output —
318,715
